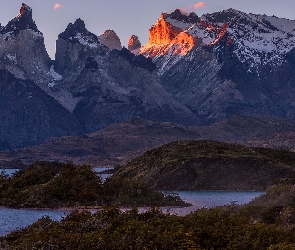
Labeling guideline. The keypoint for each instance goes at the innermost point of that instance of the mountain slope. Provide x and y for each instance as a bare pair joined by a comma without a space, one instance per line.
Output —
226,63
29,116
194,70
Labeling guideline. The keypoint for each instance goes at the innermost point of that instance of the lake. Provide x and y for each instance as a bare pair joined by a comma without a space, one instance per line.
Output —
11,219
103,176
9,171
201,199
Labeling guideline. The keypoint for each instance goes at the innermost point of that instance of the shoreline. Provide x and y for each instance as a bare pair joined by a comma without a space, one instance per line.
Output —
95,208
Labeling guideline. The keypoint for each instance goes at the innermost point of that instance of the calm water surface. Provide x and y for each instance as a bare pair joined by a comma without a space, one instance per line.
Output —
11,219
102,175
9,171
201,199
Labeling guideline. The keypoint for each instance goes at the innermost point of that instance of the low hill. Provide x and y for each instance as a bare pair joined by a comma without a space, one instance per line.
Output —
119,143
210,165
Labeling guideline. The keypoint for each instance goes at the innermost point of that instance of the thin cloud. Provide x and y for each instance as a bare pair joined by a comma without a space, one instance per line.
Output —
200,5
57,6
188,9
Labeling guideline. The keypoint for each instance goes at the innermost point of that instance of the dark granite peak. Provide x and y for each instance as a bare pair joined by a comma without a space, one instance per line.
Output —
178,15
23,21
76,30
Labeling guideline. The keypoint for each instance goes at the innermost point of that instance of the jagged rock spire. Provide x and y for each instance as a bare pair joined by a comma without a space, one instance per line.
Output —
133,43
110,39
23,21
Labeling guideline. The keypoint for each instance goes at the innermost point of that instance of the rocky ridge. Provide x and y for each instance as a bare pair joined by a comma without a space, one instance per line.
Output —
110,86
226,63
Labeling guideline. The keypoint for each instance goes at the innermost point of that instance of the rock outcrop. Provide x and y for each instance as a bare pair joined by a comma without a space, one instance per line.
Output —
22,48
23,21
133,43
73,47
169,38
110,39
163,32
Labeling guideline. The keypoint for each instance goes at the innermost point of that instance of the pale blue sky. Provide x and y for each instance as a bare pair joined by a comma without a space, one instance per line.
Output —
127,17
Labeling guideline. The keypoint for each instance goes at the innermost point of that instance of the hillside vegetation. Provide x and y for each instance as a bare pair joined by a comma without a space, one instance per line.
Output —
210,165
276,196
51,185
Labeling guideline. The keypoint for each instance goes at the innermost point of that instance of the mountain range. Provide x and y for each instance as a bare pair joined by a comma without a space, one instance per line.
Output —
193,71
226,63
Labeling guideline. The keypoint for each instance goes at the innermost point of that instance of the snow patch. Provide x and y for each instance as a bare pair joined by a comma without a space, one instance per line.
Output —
12,58
55,76
8,36
35,33
86,41
51,85
179,24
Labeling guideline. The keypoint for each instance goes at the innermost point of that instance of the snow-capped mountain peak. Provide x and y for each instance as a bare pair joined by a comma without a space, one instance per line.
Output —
257,39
